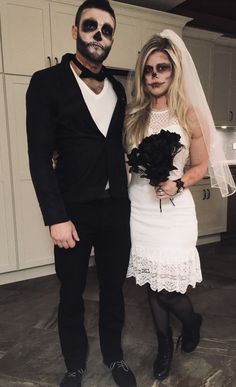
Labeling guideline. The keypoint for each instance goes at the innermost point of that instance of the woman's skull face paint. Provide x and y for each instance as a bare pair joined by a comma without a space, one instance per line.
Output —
160,69
95,34
158,74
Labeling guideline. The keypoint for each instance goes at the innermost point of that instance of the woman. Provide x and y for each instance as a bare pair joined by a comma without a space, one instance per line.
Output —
167,95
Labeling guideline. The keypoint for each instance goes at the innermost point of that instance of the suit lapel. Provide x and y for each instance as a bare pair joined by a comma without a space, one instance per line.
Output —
119,108
77,97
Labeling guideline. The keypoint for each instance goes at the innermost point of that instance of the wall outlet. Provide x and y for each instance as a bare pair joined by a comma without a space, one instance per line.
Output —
234,145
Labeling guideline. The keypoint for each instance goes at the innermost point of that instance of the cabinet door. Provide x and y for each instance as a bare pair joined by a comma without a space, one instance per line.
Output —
233,64
149,29
25,36
211,209
201,52
221,82
7,233
1,66
34,244
62,20
232,94
127,43
232,103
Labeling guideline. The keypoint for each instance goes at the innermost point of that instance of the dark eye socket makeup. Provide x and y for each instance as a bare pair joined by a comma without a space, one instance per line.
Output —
90,25
160,68
107,30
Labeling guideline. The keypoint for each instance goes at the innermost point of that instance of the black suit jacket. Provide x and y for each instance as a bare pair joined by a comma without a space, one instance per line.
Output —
59,120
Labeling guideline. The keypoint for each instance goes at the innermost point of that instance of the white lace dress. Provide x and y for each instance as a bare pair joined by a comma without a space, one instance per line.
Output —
163,251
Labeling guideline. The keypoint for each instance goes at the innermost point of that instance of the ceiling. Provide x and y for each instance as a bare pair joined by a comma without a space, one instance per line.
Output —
213,15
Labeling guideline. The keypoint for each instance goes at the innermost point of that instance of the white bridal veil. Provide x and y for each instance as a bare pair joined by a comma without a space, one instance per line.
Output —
219,171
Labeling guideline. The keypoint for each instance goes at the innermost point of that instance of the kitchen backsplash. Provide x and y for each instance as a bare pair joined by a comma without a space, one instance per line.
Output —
228,139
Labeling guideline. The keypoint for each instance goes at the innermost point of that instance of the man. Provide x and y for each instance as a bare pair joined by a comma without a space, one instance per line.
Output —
76,110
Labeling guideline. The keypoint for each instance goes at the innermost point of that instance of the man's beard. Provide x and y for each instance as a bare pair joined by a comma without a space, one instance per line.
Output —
93,57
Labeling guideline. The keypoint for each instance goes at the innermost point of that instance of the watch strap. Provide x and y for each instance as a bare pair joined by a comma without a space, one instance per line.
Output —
179,184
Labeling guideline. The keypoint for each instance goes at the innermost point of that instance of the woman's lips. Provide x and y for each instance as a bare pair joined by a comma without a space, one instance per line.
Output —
156,84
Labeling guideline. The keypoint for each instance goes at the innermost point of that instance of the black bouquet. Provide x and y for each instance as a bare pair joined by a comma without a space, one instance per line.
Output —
153,159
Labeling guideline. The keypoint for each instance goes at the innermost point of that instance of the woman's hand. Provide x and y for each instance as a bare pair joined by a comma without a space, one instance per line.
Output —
166,189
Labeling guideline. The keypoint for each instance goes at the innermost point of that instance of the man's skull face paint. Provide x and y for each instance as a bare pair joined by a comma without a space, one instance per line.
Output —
95,34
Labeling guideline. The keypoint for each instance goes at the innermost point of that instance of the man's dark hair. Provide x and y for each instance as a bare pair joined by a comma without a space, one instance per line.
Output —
104,5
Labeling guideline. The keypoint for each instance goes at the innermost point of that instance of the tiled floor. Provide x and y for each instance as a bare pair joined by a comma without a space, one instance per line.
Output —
30,352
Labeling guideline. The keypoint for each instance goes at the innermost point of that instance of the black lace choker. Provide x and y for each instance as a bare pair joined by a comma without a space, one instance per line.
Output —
86,73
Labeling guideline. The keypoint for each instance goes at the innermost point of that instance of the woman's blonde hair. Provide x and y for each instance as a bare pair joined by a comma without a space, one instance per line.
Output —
138,111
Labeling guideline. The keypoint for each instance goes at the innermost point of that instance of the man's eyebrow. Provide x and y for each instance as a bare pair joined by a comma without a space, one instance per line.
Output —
95,20
90,19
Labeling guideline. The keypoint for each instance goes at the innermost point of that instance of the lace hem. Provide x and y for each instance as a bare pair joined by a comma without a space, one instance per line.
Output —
169,269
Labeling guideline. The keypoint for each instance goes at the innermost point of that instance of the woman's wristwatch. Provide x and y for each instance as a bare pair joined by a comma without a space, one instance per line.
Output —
179,185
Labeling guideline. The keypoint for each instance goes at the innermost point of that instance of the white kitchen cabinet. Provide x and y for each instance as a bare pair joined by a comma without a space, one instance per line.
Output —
232,102
8,259
224,78
33,241
200,44
233,62
211,209
25,28
1,66
62,17
41,39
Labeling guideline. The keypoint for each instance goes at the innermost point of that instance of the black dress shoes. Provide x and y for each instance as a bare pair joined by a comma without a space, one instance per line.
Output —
72,378
190,336
122,374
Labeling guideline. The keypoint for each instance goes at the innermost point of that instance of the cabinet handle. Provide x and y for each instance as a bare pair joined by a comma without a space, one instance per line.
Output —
231,115
208,194
204,194
56,60
49,61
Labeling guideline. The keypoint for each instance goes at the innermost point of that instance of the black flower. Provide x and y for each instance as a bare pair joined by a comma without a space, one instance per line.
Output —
153,158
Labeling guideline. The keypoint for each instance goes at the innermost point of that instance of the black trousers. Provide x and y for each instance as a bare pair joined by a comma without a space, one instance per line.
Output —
104,224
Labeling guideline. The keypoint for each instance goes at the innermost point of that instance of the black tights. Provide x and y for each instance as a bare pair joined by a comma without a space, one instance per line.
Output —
163,302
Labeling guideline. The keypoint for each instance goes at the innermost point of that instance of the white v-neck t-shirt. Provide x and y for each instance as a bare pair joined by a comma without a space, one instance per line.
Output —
101,106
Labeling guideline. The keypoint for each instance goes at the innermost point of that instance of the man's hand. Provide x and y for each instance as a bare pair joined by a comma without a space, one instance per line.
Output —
64,234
